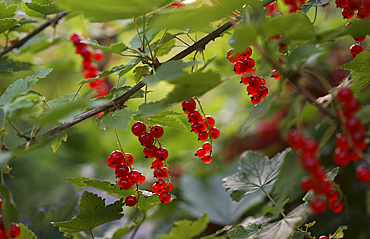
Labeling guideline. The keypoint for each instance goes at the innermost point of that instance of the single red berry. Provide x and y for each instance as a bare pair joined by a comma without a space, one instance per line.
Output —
86,52
322,187
161,154
129,159
115,158
122,171
146,138
359,38
165,197
168,188
134,176
125,184
197,127
207,159
311,164
130,200
276,74
363,13
156,188
354,156
345,94
230,56
355,4
351,107
98,55
342,141
14,230
262,90
207,147
161,183
200,153
318,205
295,139
356,49
358,138
245,54
353,124
75,37
319,174
160,173
138,127
341,157
348,13
311,146
157,164
142,178
324,237
157,131
341,3
256,99
249,63
240,67
336,206
245,79
363,173
214,132
188,105
306,184
150,151
331,195
208,122
195,116
203,136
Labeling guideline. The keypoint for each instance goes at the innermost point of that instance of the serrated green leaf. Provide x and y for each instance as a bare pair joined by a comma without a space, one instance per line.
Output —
39,43
31,13
139,71
78,182
148,201
186,229
338,233
239,232
99,11
8,211
151,108
358,28
92,213
168,71
26,233
7,23
169,121
58,141
117,47
189,85
121,232
166,48
243,36
119,120
22,86
45,9
8,65
24,106
41,221
7,12
255,173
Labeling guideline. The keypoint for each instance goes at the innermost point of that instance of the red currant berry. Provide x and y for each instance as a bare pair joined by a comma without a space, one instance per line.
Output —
311,164
161,154
215,133
351,107
324,237
358,138
240,67
134,176
165,197
98,55
318,205
322,187
146,138
245,54
207,159
249,63
359,38
129,159
125,184
157,164
161,183
356,49
86,52
130,200
75,38
160,173
230,56
348,13
245,79
150,151
363,173
341,3
352,124
331,195
306,184
319,174
200,153
14,230
188,105
256,99
138,127
168,188
342,141
157,131
203,136
354,156
122,171
355,4
156,188
262,90
115,158
345,95
336,206
311,146
197,127
195,116
208,122
142,178
295,139
341,157
363,13
207,147
276,74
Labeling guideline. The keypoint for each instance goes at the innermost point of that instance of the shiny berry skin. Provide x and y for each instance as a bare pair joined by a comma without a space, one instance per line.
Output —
341,3
165,197
115,158
98,55
150,151
161,183
318,205
240,67
363,173
195,116
134,176
245,79
341,157
203,136
197,127
130,200
207,147
207,159
324,237
363,13
138,127
14,230
168,188
306,184
249,63
230,56
188,105
245,54
122,171
160,173
355,4
85,52
352,124
351,107
262,90
75,38
295,139
156,188
336,206
356,49
125,184
161,154
348,13
359,38
208,122
345,95
311,146
331,195
201,153
215,133
276,74
157,131
256,99
157,164
142,178
129,158
146,138
311,164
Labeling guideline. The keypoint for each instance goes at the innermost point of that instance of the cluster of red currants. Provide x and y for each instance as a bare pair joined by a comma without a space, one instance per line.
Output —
14,229
244,65
351,6
203,126
283,50
148,139
89,68
307,150
293,6
125,173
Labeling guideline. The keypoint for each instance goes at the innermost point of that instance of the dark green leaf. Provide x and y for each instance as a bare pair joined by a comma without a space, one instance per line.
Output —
8,65
338,233
327,135
24,106
7,12
139,71
151,108
92,213
239,232
148,201
121,232
22,86
7,23
166,48
58,141
45,9
39,43
31,13
243,36
256,172
119,120
300,53
8,211
358,28
26,233
189,85
118,47
186,229
168,71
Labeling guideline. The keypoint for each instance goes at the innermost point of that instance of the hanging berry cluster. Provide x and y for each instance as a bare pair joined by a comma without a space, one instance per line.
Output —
148,139
244,66
203,126
349,8
127,176
307,149
356,48
14,229
89,68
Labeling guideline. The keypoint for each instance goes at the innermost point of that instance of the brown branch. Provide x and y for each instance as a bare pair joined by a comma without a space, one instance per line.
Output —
32,34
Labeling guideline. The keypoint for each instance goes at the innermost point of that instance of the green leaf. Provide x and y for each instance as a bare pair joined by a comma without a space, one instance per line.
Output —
148,200
101,11
256,172
121,232
26,233
166,48
58,141
358,28
92,213
44,9
151,108
22,86
339,232
39,43
300,53
8,65
117,47
24,106
243,36
306,7
7,23
239,232
7,12
139,71
166,118
41,221
119,120
189,85
31,13
186,229
168,71
8,211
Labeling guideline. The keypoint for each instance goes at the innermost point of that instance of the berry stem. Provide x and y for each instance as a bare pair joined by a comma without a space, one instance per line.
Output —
273,201
138,225
138,34
120,146
79,88
91,233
